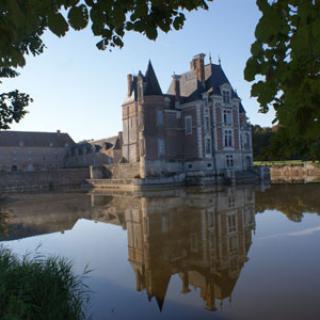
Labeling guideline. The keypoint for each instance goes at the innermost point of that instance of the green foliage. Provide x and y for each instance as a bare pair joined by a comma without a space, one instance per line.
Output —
12,107
22,23
274,144
285,70
42,288
261,142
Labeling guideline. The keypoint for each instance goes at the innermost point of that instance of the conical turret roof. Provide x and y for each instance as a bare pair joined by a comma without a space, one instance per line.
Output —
152,86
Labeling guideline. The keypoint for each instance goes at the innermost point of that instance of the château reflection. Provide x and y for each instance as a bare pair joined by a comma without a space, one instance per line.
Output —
202,237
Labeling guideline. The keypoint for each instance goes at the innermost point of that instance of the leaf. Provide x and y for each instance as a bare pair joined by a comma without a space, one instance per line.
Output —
117,41
78,17
151,33
57,24
178,22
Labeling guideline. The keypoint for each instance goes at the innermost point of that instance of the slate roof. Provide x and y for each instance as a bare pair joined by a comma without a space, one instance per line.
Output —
152,86
190,88
111,142
34,139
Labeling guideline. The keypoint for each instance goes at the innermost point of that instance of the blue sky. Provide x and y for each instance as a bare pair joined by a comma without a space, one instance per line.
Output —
79,89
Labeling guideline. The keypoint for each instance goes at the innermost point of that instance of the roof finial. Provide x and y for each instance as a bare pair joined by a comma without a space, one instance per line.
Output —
210,58
219,61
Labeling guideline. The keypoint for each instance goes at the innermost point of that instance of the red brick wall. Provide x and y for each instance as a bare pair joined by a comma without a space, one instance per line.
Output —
152,132
190,142
173,136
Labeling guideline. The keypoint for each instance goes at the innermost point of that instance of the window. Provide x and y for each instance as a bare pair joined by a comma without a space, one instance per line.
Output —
247,141
210,219
227,118
228,138
171,118
188,125
231,202
142,147
229,160
226,96
164,224
208,146
194,243
206,123
233,243
232,223
248,162
88,149
159,118
161,149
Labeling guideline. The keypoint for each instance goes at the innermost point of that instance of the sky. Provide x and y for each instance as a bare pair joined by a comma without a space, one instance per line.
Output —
79,89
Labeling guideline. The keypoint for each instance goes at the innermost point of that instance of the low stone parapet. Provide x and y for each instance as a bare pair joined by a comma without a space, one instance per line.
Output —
298,173
42,180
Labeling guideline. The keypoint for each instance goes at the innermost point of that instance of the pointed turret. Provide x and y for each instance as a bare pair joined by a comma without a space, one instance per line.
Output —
160,302
152,87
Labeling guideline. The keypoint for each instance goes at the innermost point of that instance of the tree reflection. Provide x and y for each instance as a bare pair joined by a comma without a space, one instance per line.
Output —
291,200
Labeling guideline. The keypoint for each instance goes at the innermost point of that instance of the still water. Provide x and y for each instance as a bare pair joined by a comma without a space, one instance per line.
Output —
238,253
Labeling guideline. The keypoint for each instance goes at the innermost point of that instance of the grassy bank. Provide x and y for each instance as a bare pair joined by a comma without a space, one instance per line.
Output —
282,163
39,288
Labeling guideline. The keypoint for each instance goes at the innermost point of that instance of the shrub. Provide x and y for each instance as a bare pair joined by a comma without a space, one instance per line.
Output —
39,289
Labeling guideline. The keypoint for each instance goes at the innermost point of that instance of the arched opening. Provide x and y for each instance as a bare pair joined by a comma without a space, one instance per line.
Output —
14,168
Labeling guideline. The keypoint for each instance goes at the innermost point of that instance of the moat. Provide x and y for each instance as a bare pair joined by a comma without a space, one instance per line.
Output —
227,253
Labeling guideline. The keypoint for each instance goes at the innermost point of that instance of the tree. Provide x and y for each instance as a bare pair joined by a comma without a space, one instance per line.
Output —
285,70
23,22
261,141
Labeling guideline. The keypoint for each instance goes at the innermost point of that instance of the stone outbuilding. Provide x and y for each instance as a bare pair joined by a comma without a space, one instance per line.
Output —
33,151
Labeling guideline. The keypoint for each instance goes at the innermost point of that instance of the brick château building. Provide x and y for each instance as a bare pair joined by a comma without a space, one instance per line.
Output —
199,125
199,128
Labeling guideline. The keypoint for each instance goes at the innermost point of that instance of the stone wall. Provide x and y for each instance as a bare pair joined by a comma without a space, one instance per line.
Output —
303,173
124,170
31,158
42,180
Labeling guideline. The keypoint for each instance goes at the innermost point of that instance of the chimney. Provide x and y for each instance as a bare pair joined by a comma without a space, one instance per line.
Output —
176,86
129,84
197,66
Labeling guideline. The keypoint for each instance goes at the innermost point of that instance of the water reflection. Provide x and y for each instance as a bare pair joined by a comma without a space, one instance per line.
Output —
30,215
291,200
201,237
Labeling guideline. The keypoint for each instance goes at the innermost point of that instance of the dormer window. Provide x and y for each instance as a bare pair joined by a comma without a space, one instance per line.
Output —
226,96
